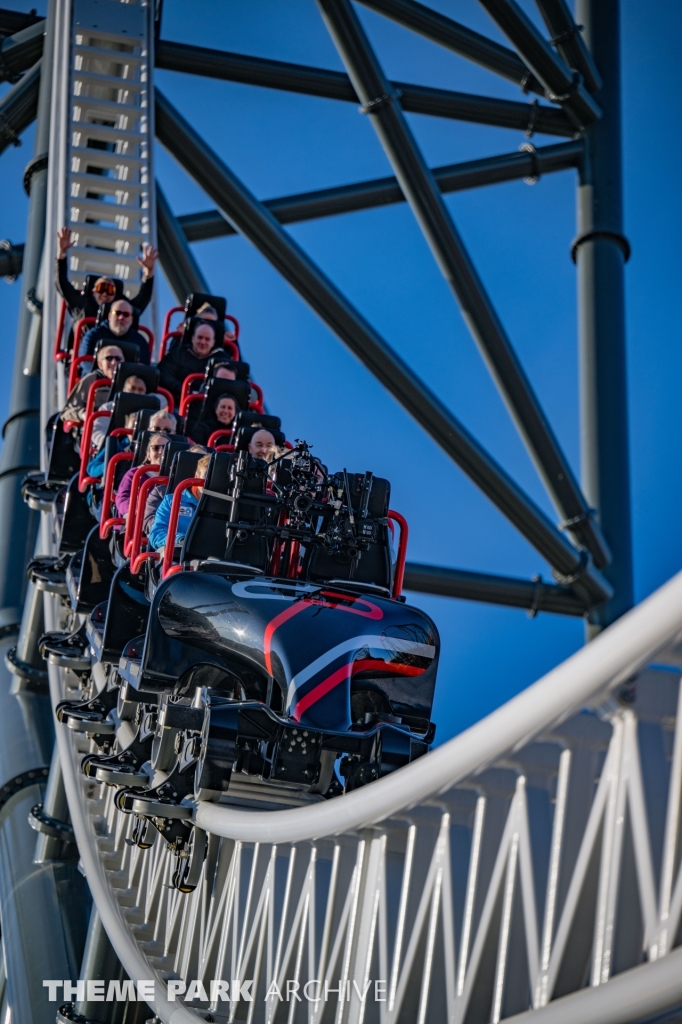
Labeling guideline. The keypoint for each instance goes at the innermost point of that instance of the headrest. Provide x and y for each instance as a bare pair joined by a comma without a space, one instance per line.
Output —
90,284
175,445
149,374
141,445
257,419
144,416
125,403
182,468
244,435
131,351
197,299
190,326
218,388
218,476
103,311
221,358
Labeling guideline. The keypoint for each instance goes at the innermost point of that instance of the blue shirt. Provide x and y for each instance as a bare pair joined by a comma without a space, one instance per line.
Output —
158,535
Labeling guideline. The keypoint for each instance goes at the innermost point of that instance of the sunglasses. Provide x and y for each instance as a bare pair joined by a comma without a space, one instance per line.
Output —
105,289
156,447
112,359
121,315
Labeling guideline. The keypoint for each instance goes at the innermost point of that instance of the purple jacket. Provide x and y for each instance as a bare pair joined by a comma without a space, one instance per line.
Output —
122,500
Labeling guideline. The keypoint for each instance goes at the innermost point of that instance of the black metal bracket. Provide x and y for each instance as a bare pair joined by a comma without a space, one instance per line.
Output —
41,821
19,782
38,163
609,236
36,678
68,1014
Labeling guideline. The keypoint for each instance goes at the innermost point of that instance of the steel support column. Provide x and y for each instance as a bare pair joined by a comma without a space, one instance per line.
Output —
177,260
375,93
256,223
600,251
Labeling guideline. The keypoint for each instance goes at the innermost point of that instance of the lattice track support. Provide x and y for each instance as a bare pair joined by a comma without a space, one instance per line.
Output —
107,153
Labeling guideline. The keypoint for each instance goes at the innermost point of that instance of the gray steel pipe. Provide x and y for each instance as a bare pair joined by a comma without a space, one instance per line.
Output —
534,595
363,195
600,251
446,32
561,86
18,108
569,42
19,51
375,93
177,260
417,99
256,223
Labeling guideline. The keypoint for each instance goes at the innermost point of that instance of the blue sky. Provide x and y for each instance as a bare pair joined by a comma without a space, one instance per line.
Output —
520,239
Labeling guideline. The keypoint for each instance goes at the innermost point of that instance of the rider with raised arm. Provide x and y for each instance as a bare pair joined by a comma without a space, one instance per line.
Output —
82,304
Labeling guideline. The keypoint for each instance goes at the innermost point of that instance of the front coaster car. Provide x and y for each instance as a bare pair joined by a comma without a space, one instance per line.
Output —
288,657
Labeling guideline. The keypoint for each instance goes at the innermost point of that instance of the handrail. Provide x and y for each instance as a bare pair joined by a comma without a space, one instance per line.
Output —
168,396
610,659
76,360
232,335
84,480
164,340
192,378
402,552
217,434
188,399
57,353
136,558
107,524
169,314
257,406
131,521
183,485
89,418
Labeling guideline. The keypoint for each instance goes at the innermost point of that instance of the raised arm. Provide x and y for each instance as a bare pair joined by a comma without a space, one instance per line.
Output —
147,261
71,295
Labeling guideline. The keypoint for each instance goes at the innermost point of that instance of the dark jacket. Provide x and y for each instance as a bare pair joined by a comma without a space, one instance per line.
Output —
201,430
178,364
77,400
80,304
104,333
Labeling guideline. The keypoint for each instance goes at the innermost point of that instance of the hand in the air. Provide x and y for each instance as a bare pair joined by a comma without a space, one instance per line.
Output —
147,260
65,241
